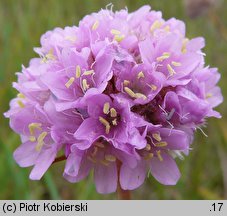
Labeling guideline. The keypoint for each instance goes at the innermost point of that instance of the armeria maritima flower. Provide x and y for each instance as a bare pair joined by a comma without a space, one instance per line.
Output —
121,94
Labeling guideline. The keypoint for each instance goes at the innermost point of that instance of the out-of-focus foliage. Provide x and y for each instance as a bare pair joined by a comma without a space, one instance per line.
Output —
204,172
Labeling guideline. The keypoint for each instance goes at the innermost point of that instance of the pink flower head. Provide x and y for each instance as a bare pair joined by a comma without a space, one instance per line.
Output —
121,94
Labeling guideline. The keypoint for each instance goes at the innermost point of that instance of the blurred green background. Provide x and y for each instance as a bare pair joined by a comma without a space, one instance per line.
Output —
204,172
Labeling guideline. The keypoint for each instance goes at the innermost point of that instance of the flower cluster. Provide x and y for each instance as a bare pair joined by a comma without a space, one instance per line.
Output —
121,94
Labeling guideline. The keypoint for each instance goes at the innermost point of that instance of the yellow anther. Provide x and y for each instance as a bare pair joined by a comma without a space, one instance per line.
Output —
95,25
40,141
78,71
91,159
208,95
106,108
159,155
156,25
89,72
32,138
105,123
164,56
130,92
107,129
166,53
161,144
171,70
176,64
104,162
20,95
153,87
20,103
34,126
94,151
115,32
157,137
140,75
71,38
85,85
113,112
148,147
126,82
50,55
70,82
184,45
114,122
149,156
166,28
100,145
110,158
140,95
119,38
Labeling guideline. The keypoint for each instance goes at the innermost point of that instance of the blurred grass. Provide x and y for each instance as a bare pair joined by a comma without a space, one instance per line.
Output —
22,22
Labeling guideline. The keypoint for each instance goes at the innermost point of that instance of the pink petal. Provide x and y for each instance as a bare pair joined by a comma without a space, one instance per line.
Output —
105,178
25,155
43,162
131,179
166,171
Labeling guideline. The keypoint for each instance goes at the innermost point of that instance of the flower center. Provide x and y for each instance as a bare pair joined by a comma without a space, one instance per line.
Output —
111,118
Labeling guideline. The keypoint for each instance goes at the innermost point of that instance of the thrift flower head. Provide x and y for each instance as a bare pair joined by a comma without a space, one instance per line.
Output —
121,94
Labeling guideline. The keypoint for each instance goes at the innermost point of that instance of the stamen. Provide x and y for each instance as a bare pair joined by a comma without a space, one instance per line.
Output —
159,155
32,138
113,113
95,25
176,64
91,159
110,158
71,38
209,95
140,95
126,82
166,28
89,72
50,55
105,123
156,25
164,56
100,145
106,108
115,32
78,71
149,156
104,162
153,87
130,92
20,95
171,70
85,85
33,126
140,75
114,122
184,45
161,144
70,82
119,38
107,129
148,147
157,136
21,104
40,141
94,152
